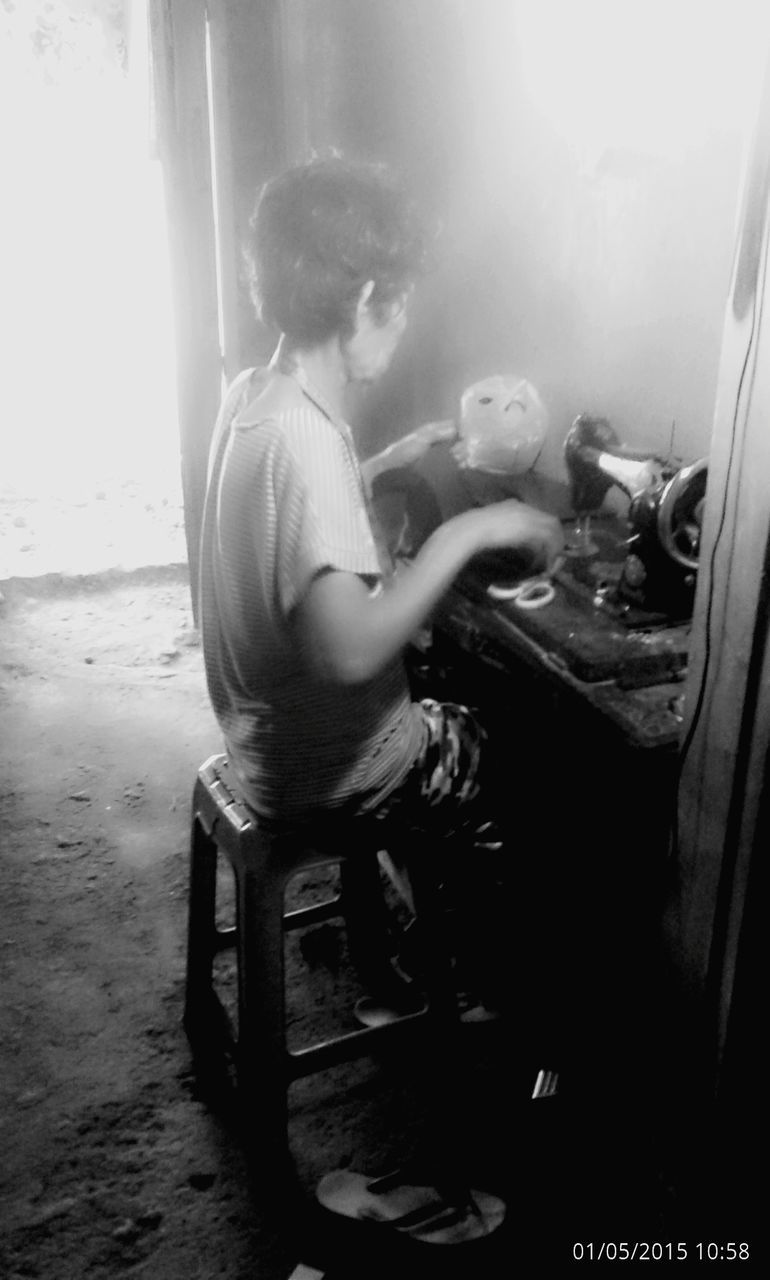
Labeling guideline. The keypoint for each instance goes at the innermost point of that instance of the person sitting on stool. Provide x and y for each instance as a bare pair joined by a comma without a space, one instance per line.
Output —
304,629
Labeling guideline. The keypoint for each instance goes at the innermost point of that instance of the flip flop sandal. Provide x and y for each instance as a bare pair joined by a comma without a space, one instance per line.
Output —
410,1208
392,995
475,1011
374,1013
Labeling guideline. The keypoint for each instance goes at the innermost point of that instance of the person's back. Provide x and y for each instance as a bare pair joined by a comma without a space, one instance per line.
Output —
286,503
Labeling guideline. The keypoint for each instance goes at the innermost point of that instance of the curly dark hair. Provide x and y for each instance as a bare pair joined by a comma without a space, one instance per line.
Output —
319,232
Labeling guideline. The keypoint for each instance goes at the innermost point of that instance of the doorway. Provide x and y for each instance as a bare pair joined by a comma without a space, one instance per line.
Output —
90,473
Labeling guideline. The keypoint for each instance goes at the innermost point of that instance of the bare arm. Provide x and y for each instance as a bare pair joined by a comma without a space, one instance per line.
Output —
409,449
350,636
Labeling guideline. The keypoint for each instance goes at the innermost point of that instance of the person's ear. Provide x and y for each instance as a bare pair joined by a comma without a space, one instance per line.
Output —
364,298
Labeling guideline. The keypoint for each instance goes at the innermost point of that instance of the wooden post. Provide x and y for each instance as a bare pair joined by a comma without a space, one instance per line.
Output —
727,731
221,120
178,47
248,116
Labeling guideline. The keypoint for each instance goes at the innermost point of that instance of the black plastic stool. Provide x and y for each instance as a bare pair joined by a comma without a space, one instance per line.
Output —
263,863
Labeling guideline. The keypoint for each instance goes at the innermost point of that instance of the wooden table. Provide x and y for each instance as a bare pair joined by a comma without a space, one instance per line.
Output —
584,718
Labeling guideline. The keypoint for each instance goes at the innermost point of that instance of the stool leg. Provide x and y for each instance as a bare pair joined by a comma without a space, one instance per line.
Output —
261,1057
442,1061
201,931
438,971
366,920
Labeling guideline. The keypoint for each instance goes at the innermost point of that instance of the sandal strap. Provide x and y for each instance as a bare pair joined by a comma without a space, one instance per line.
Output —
401,1177
443,1215
442,1211
416,1175
432,1215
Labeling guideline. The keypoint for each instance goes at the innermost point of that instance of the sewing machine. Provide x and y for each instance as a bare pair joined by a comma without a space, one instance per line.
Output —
616,624
648,577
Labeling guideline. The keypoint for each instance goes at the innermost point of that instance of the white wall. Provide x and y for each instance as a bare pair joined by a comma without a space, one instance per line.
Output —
593,201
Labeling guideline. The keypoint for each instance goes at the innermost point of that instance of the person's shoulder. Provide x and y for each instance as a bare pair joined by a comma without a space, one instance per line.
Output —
271,397
278,419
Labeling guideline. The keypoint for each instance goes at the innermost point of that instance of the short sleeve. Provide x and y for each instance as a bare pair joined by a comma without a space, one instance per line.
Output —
318,505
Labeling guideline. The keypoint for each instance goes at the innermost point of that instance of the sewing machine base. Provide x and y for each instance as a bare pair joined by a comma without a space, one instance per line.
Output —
640,588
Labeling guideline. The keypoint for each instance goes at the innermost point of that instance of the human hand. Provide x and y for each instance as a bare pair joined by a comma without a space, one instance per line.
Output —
514,524
459,452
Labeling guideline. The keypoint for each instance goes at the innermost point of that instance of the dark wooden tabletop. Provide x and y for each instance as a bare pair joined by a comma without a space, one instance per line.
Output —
627,666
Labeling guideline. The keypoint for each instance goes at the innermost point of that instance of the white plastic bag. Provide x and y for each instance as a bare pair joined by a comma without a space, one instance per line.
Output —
503,423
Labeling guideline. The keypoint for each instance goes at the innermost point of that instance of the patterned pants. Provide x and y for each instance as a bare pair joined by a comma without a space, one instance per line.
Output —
443,806
442,794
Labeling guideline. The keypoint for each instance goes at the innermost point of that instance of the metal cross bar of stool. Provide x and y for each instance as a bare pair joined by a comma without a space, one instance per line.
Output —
263,863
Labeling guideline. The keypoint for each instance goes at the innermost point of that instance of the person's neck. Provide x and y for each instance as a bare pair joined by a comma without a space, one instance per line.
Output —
324,370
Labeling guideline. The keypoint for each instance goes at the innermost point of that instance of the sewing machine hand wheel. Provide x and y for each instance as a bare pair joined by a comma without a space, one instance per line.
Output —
679,514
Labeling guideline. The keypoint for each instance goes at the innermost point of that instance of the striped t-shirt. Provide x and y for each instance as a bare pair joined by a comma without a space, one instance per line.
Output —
285,502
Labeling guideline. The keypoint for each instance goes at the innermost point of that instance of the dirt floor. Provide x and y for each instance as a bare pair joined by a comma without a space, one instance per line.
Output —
114,1161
